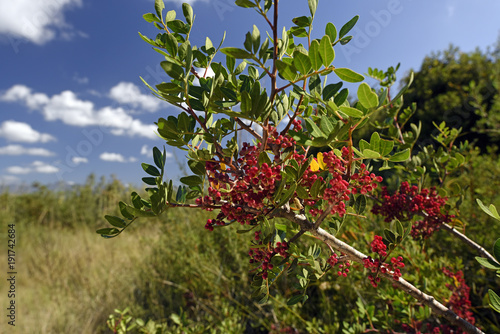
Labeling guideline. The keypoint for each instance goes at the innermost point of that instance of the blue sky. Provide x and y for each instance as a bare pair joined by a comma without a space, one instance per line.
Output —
72,103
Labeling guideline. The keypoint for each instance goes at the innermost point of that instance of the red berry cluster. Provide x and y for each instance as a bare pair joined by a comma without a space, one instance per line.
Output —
375,265
408,202
245,189
459,301
247,186
340,185
265,255
363,181
343,267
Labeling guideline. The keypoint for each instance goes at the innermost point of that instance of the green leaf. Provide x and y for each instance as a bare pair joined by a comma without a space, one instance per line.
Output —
400,156
366,96
173,70
313,128
330,90
314,55
331,31
159,6
116,221
288,194
245,3
399,228
289,72
136,200
178,26
170,16
123,210
301,62
494,300
151,181
345,40
236,53
191,180
291,171
389,235
491,211
255,38
298,31
187,10
150,169
197,167
348,75
326,51
370,154
139,213
294,300
352,112
386,147
302,192
313,5
315,85
246,102
158,158
316,188
360,204
348,26
107,231
302,21
487,263
148,40
341,96
264,158
375,142
180,197
150,17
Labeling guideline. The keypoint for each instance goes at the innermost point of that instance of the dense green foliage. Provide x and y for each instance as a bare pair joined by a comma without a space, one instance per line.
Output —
185,279
461,89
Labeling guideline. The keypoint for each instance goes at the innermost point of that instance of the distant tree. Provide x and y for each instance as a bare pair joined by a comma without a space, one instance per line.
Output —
461,89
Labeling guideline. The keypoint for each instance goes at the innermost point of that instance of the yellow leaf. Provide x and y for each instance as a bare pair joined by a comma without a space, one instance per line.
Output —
223,166
314,165
320,161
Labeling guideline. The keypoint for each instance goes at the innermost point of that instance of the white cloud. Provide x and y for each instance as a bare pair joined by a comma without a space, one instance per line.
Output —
20,150
128,93
35,167
71,110
80,79
42,167
18,170
9,179
80,160
147,151
22,132
23,93
38,21
115,157
203,73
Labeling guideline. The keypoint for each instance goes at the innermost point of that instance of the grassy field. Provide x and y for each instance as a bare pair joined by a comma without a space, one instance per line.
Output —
68,278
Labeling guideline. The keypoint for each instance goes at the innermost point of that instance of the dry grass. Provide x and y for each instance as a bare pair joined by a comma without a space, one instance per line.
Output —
69,281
